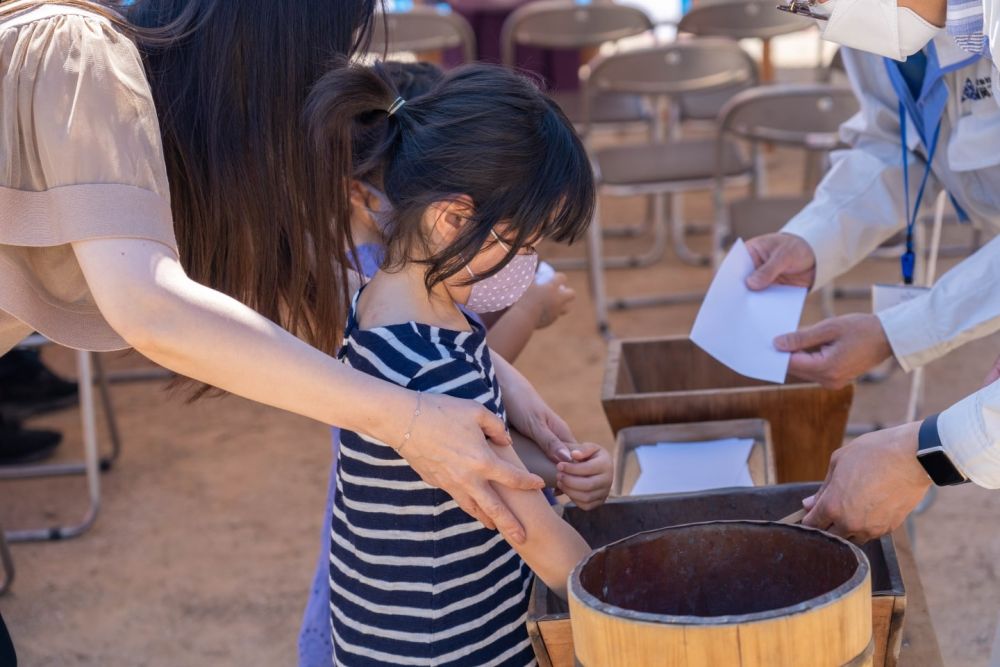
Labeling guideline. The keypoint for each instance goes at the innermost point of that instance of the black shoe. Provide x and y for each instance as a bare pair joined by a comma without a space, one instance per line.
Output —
19,445
28,387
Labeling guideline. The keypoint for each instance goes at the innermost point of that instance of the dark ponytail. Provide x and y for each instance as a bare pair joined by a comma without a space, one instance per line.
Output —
481,131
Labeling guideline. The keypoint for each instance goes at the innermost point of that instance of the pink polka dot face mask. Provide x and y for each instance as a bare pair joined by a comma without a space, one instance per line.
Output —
506,286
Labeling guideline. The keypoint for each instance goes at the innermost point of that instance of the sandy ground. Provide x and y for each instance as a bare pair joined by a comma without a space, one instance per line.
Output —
210,526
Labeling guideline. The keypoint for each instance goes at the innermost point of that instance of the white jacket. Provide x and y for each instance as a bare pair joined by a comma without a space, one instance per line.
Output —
860,204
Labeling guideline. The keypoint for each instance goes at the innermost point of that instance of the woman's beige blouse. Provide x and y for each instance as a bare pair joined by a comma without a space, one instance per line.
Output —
80,158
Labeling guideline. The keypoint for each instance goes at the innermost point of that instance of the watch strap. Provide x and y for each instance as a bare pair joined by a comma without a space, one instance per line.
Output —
933,457
928,436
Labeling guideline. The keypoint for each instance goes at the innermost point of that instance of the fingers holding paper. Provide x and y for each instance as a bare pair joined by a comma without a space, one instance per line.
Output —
780,259
836,351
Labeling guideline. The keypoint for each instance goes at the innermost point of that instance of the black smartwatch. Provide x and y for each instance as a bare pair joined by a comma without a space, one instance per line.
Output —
934,459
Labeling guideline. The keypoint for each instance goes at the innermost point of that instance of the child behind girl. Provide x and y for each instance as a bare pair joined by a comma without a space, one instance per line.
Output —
476,173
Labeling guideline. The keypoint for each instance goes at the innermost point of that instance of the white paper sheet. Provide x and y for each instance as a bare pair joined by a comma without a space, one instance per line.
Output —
738,326
678,467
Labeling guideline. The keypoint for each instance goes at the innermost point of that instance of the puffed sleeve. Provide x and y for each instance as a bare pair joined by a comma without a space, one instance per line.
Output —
80,158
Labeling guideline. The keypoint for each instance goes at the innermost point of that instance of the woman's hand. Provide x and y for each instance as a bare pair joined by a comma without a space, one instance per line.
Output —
448,449
587,480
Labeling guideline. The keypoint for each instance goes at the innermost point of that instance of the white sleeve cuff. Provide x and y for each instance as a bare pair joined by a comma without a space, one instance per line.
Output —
822,236
913,342
970,434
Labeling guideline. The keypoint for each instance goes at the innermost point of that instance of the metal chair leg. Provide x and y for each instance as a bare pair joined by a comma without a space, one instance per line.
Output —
91,465
110,418
632,231
6,564
656,252
677,229
595,271
995,652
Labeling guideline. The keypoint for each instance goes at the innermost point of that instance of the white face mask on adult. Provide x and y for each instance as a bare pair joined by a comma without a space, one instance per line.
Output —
877,26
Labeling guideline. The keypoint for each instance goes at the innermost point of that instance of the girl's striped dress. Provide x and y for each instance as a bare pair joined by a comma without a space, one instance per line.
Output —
413,579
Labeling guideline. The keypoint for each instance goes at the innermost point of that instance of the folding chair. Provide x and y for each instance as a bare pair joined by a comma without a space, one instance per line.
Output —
570,24
662,168
6,563
567,24
804,116
91,467
422,29
743,19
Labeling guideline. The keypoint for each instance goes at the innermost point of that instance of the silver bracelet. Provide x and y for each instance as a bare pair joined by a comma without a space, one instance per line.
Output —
413,421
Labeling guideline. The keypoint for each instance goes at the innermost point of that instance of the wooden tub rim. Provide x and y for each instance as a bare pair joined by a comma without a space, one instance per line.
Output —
861,573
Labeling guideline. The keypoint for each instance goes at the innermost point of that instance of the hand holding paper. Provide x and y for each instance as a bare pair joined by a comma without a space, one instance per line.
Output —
738,326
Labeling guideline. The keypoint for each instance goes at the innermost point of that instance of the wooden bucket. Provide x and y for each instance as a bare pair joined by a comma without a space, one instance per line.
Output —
671,380
740,593
619,518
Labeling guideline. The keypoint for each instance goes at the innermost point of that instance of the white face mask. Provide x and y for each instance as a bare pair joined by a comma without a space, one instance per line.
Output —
506,286
877,26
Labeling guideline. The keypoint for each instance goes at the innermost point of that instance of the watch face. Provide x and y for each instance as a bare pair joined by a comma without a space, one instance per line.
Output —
940,469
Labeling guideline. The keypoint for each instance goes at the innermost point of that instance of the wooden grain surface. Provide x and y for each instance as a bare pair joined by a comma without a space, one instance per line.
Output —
670,380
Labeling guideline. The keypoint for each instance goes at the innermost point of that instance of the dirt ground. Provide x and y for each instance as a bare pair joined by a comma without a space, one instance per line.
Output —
211,521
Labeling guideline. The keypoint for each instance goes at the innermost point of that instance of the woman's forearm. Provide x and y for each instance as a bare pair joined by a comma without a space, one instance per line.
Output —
208,336
144,294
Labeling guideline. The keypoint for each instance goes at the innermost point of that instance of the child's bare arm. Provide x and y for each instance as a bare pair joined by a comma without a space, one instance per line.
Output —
533,458
552,548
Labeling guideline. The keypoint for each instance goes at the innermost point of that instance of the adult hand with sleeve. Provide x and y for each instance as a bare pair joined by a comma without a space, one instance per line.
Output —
781,259
872,485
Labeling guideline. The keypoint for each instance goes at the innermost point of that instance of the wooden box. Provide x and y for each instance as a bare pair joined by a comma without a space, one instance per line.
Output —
548,617
761,461
671,380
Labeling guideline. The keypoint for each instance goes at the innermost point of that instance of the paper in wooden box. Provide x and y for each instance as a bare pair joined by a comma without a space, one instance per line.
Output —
671,380
760,462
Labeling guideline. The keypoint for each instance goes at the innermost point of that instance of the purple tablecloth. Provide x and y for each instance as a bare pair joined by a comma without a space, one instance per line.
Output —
557,67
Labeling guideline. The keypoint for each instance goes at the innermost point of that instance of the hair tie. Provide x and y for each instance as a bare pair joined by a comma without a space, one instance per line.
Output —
396,105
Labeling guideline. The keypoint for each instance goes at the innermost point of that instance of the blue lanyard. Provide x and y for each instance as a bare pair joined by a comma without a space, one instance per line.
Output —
908,260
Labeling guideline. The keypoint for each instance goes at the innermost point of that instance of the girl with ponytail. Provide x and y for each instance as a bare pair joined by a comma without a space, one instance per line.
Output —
476,172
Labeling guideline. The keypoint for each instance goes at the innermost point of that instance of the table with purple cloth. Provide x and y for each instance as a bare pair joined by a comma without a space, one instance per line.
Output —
559,68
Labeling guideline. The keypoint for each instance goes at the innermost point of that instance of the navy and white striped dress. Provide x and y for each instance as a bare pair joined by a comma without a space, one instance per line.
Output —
413,579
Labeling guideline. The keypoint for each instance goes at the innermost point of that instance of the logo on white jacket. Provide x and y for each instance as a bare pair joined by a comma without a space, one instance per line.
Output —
977,89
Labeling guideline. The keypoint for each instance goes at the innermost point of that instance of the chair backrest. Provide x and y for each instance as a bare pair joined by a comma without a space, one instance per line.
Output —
702,64
741,19
423,28
569,24
807,116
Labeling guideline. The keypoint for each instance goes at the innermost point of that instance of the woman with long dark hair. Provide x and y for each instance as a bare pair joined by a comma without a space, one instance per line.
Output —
158,191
